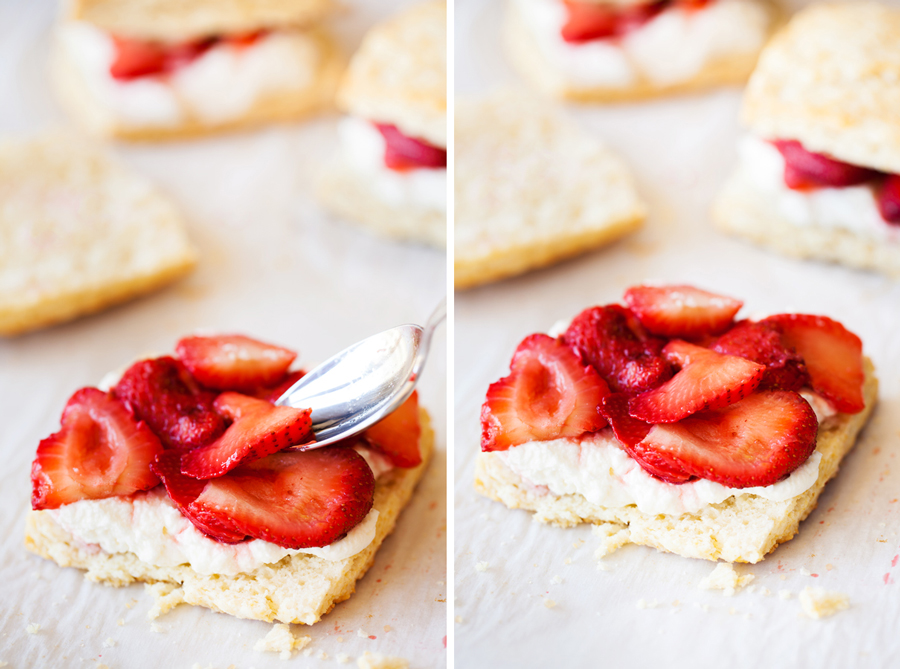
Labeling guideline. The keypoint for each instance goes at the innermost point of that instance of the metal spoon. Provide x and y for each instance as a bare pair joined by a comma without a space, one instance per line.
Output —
362,384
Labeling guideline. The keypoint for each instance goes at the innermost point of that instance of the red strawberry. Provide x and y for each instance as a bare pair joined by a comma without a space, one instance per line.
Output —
101,451
397,434
707,380
614,342
272,393
162,393
681,311
404,153
804,169
296,499
234,362
755,442
589,21
833,356
762,343
889,199
549,394
137,58
259,429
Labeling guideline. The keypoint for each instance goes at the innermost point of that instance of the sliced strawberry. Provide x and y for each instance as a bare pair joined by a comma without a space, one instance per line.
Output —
589,21
755,442
243,40
183,490
404,153
681,311
259,429
137,58
162,393
763,343
101,451
397,434
833,356
296,499
549,394
272,393
707,380
804,169
613,341
889,199
234,362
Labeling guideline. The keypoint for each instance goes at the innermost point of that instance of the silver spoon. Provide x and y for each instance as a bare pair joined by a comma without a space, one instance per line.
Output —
362,384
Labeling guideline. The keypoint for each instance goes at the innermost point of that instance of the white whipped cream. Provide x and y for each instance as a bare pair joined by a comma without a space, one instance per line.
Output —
673,46
363,148
222,84
852,208
596,467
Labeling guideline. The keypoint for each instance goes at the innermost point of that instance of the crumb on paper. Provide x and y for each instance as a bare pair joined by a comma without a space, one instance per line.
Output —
379,661
578,544
387,628
307,652
644,604
343,658
166,597
340,639
820,603
156,627
549,603
805,572
459,619
612,538
322,655
567,561
280,640
556,580
120,622
109,643
33,628
362,634
725,578
482,566
785,595
131,604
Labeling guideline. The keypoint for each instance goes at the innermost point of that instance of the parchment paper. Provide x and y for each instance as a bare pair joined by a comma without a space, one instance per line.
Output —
273,265
646,609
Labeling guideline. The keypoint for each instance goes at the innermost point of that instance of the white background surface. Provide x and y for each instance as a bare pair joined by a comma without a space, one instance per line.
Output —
681,150
272,265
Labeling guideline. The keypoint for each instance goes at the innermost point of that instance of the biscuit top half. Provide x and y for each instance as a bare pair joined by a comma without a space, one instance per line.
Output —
177,20
831,80
399,74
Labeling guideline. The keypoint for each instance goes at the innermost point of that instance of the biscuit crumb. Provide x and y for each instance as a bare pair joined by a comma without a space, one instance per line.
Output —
644,604
387,628
612,538
120,622
167,596
549,603
33,628
322,655
725,578
785,595
819,603
156,627
379,661
343,658
805,572
131,604
340,639
567,561
556,580
459,619
281,640
109,643
482,566
362,634
307,652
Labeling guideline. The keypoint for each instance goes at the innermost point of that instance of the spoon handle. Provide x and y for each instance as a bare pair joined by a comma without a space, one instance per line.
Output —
436,318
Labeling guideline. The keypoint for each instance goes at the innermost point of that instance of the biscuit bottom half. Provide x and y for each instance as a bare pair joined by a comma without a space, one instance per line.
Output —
743,528
297,589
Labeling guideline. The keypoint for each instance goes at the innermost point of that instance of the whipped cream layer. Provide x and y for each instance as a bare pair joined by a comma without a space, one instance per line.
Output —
221,84
852,208
363,147
596,467
671,47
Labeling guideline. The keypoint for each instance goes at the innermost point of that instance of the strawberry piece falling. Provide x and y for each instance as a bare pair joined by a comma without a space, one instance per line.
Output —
755,442
296,499
833,356
234,362
804,169
259,429
397,434
162,393
889,199
405,153
681,311
549,394
707,380
613,341
588,21
101,451
763,343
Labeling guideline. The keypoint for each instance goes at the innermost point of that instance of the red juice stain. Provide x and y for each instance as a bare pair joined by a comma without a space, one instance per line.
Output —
887,579
814,575
445,642
894,561
373,637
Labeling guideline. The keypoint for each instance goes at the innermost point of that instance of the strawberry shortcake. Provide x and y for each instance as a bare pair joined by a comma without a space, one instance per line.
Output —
665,417
607,50
183,470
819,170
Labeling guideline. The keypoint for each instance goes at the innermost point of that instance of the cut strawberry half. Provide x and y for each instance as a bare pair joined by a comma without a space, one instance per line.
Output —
259,429
763,343
162,393
549,394
681,311
613,341
234,362
889,199
405,153
833,357
804,169
397,434
273,393
755,442
588,21
295,499
140,58
101,451
707,380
